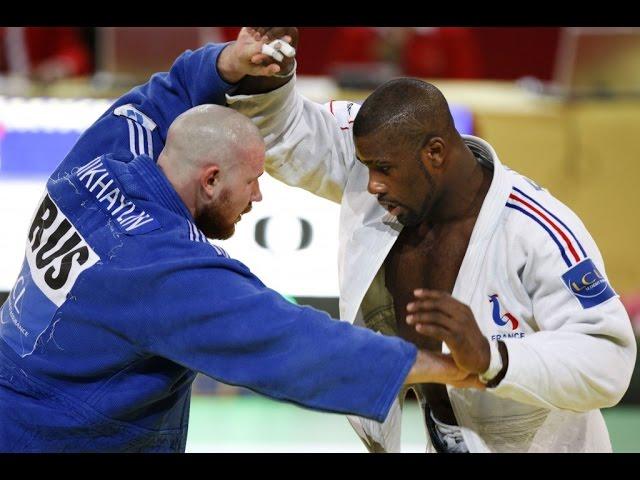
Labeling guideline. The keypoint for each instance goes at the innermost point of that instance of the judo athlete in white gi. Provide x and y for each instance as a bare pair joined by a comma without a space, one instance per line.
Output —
443,245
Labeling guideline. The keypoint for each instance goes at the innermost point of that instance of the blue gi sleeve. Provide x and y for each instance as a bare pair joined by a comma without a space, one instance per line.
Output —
138,122
228,325
192,80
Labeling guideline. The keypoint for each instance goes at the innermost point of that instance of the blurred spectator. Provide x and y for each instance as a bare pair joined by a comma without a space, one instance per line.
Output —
325,47
414,51
44,54
48,54
449,52
127,56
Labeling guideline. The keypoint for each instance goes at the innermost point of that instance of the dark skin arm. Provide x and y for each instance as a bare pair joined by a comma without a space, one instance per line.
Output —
244,57
438,315
430,367
253,84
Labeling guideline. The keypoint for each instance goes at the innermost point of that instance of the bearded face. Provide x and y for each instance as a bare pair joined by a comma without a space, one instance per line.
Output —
218,219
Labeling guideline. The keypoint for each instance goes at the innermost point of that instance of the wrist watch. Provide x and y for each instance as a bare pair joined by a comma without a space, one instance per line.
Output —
495,364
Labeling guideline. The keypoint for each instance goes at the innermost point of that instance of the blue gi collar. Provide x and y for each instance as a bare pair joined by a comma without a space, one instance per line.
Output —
160,189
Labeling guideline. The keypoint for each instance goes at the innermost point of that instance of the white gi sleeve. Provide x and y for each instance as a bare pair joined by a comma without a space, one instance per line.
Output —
584,353
308,145
381,437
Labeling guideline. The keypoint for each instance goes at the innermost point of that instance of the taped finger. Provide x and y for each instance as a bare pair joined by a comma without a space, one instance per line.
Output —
284,47
267,49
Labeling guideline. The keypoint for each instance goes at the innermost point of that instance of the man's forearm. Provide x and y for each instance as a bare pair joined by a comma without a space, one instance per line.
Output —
251,85
229,65
433,367
231,71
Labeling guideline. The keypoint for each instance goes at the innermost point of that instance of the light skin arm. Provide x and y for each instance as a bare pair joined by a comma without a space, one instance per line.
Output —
432,367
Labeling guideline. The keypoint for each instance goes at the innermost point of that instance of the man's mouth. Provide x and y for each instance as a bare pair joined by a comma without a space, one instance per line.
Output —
246,210
389,206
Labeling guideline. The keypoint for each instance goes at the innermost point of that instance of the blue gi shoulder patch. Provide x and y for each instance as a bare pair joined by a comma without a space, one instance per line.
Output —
587,284
129,111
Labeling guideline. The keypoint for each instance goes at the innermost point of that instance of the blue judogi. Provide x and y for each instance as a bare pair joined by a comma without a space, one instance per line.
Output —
121,300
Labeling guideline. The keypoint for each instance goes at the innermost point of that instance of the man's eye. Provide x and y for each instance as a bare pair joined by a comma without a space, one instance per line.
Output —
383,169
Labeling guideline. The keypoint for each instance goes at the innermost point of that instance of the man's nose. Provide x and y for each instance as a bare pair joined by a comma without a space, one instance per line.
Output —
375,186
257,194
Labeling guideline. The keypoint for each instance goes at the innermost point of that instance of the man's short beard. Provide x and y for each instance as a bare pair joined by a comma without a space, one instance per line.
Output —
213,222
409,219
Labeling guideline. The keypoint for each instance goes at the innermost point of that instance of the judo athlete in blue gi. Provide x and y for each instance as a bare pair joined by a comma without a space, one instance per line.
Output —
122,300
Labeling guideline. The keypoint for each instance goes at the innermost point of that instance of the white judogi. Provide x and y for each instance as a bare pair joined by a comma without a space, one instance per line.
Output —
532,275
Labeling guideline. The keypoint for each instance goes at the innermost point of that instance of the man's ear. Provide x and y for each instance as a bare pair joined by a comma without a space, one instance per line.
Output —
433,154
210,179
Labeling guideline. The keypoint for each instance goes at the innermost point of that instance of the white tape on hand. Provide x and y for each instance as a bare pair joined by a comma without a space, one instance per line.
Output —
272,52
284,47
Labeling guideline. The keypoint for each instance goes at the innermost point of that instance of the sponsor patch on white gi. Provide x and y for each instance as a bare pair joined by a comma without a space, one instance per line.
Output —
587,284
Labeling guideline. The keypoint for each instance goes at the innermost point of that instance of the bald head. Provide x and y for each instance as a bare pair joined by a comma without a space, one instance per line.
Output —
405,110
206,135
213,157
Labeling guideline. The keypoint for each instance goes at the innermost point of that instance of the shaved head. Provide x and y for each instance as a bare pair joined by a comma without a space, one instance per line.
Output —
407,110
205,135
213,157
405,135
